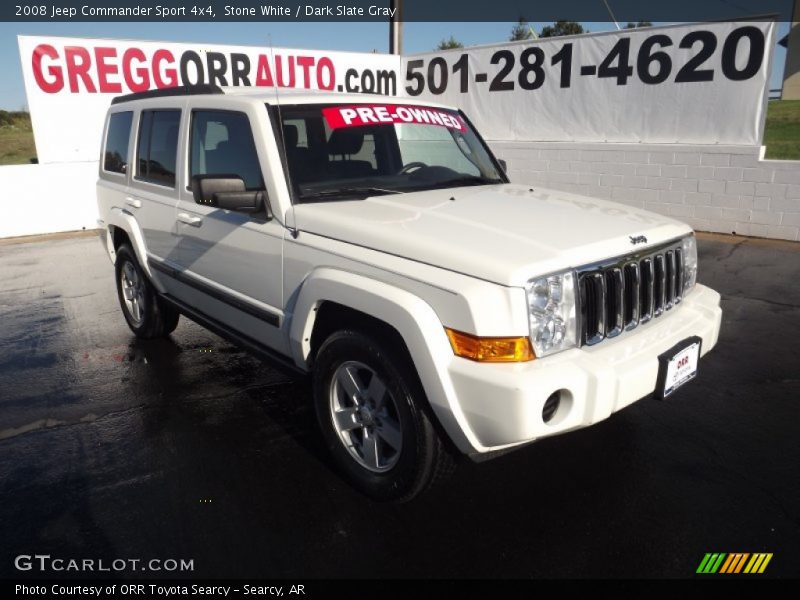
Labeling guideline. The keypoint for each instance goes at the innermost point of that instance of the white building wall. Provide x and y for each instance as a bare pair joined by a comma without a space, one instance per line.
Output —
47,198
724,189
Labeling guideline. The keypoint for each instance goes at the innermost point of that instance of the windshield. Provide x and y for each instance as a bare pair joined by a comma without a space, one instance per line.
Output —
340,151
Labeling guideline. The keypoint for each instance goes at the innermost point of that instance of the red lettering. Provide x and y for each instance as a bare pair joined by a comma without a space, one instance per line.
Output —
279,71
56,83
170,76
137,80
306,62
78,69
263,72
325,65
104,69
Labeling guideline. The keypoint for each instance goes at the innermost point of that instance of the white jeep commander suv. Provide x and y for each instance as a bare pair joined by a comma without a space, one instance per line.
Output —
380,247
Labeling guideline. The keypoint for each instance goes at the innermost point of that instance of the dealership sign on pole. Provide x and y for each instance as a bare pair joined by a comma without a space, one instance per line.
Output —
690,84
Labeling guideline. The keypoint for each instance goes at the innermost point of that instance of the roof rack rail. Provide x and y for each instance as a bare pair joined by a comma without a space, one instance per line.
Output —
181,90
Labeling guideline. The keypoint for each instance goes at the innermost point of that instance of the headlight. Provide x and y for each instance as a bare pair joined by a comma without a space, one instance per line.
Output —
689,263
552,313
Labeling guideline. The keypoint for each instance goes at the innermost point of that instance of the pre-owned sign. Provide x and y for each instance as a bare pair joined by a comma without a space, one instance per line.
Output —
375,114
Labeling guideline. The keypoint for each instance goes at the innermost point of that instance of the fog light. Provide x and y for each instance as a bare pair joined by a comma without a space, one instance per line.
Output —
551,406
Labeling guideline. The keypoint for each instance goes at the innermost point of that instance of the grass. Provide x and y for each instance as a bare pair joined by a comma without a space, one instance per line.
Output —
781,134
16,138
782,130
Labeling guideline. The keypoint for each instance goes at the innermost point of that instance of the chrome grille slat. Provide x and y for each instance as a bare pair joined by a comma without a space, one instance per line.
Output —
632,295
648,290
615,296
621,294
670,269
660,277
594,288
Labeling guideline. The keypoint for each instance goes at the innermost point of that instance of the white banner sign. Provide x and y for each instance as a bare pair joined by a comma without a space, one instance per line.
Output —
70,81
702,83
690,84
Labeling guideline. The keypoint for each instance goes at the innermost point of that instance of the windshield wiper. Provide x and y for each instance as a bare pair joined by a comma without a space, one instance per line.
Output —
349,191
467,180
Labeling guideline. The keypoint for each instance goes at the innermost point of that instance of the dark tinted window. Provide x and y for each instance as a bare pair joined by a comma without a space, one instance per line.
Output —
157,150
222,144
119,129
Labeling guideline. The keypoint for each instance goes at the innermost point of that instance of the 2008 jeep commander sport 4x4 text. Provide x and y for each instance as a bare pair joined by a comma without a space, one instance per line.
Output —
381,248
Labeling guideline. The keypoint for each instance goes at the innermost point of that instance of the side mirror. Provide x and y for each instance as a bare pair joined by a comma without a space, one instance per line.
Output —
227,192
503,165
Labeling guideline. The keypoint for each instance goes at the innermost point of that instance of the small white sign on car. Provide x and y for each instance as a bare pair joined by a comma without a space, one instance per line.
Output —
682,367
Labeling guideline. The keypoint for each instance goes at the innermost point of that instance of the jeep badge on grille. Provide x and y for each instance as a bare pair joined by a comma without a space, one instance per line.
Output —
638,239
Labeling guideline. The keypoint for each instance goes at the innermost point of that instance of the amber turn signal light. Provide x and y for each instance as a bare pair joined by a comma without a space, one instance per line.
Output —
490,349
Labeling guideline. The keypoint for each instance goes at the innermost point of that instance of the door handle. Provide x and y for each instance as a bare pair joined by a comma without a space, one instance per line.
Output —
133,202
190,220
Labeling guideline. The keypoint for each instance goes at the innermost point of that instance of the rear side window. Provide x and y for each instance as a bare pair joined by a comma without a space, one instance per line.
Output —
222,144
115,159
157,149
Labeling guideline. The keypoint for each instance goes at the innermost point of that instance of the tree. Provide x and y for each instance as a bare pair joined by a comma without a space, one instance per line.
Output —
562,28
521,31
639,24
449,44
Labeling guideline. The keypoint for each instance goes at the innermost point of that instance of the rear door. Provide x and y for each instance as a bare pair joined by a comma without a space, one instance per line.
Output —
229,263
153,191
112,186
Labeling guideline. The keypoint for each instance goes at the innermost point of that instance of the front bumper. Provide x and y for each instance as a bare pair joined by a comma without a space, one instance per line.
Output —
501,404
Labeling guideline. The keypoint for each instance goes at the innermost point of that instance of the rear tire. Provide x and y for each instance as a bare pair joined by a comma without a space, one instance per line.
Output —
375,418
146,313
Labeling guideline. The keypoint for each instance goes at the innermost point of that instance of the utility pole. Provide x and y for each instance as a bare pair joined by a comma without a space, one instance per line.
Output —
791,68
396,27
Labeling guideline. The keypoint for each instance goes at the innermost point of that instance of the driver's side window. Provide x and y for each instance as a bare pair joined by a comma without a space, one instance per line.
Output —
222,144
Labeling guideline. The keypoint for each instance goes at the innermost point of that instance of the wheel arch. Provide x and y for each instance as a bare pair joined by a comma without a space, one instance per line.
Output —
330,298
123,227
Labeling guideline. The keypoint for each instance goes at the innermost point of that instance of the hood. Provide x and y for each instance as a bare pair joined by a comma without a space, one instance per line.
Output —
502,233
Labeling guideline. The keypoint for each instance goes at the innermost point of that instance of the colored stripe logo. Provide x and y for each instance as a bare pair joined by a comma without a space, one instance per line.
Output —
734,562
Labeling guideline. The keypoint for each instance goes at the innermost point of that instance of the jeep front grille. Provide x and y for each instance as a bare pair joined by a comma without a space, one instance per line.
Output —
618,295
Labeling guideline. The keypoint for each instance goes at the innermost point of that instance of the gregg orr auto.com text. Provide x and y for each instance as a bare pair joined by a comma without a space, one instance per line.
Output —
112,70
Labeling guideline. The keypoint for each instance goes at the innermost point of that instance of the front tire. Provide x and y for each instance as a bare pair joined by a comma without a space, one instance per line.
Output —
374,418
147,315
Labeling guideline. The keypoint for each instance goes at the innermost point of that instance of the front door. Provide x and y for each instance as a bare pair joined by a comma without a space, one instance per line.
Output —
229,263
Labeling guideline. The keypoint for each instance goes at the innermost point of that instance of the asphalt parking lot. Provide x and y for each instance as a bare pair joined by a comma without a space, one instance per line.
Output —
189,448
